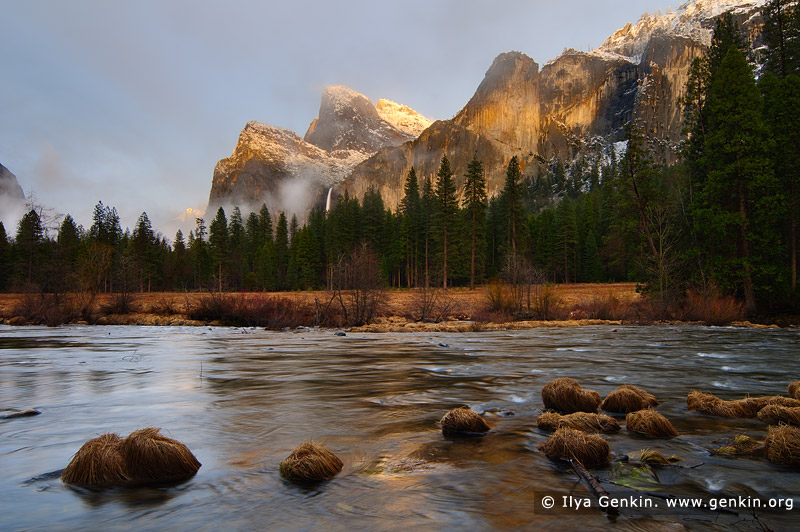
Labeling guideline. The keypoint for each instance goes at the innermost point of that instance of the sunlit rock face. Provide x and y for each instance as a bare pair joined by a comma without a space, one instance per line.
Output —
275,166
576,104
348,121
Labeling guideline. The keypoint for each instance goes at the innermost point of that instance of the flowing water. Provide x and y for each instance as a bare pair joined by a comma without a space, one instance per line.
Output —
241,400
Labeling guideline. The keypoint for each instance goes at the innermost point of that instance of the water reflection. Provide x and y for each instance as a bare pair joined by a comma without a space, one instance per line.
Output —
243,402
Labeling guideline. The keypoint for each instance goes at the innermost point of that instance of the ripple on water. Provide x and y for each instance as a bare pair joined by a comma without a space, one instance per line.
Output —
713,355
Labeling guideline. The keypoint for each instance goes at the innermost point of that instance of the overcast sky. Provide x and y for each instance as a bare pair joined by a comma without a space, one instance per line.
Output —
134,102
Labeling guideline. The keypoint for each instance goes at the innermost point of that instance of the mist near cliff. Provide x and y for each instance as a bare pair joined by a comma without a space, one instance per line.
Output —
137,101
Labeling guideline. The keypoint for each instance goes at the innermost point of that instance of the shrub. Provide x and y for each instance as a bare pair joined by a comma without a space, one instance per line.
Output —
713,308
252,311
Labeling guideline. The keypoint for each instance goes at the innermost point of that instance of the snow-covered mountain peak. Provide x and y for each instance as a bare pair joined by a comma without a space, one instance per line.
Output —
402,117
692,19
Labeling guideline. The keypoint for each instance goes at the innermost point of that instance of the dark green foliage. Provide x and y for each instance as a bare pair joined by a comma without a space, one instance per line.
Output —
411,238
782,37
475,215
5,258
445,213
738,201
282,252
218,241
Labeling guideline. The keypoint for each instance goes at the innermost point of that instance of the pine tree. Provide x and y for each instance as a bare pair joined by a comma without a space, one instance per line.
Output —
782,113
782,37
447,210
512,205
737,201
69,244
237,258
428,213
30,235
143,242
475,207
567,239
5,258
410,226
219,243
282,251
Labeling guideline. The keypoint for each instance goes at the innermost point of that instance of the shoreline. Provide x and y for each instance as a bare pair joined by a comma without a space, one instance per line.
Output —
579,304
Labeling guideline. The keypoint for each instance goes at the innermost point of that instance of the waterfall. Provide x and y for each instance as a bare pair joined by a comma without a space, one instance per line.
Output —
328,201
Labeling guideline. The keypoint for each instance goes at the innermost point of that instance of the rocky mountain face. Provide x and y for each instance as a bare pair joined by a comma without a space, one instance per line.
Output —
574,105
9,186
275,166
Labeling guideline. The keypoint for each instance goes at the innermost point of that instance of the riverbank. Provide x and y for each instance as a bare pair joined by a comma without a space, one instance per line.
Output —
400,310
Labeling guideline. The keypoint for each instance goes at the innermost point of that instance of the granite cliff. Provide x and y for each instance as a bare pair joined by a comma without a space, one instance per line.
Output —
574,105
274,165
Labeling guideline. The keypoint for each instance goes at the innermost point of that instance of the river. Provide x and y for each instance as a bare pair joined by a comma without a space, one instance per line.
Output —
242,399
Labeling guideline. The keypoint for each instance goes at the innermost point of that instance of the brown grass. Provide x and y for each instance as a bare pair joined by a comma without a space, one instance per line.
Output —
741,445
585,421
713,308
97,464
794,390
399,302
650,456
783,445
565,395
739,408
650,423
777,414
627,398
569,444
144,457
311,462
463,420
151,457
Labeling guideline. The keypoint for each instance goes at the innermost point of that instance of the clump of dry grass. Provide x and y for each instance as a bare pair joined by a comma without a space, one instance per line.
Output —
152,457
627,398
739,408
794,390
463,420
650,456
741,445
97,464
311,462
586,421
591,450
650,423
565,395
144,457
782,445
777,414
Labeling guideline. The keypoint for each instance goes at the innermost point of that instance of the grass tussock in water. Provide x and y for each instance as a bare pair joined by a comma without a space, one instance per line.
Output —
741,445
591,450
653,457
585,421
565,395
794,390
310,462
782,445
152,457
463,420
97,464
144,457
627,398
777,414
650,423
748,407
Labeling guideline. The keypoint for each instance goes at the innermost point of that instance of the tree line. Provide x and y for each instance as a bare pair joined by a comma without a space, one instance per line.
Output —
722,219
